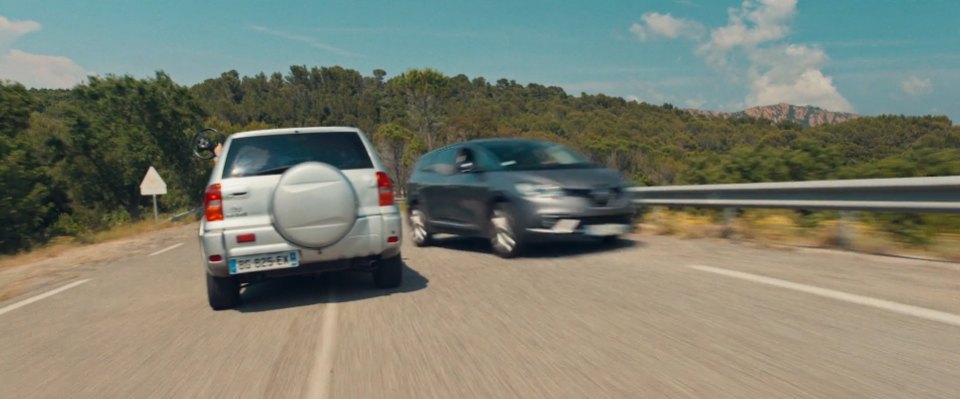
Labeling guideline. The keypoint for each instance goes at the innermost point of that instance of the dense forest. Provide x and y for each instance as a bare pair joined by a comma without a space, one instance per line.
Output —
71,160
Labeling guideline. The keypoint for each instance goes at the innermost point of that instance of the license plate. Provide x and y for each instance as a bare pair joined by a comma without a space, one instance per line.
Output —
256,263
606,229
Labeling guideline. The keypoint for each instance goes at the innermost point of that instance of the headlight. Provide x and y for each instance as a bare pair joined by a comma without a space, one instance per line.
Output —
539,190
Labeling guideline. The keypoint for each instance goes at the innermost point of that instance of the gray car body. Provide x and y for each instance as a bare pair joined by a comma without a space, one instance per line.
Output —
459,201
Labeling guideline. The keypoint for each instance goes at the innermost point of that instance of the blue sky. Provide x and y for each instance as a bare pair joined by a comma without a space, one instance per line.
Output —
881,56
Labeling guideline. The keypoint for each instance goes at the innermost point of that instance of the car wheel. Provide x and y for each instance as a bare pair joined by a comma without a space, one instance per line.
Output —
504,239
388,272
418,228
222,292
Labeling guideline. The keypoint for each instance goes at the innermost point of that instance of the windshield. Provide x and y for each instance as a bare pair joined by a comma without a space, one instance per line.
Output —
530,155
273,154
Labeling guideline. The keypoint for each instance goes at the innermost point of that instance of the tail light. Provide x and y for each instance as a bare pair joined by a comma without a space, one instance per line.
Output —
213,203
385,188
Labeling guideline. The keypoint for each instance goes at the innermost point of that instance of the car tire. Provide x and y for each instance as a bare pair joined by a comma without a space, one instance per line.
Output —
222,292
505,240
422,236
388,272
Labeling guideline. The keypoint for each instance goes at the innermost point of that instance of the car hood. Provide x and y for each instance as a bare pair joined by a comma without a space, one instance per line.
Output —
576,179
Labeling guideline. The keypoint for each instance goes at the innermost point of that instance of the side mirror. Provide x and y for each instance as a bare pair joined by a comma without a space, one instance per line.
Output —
203,147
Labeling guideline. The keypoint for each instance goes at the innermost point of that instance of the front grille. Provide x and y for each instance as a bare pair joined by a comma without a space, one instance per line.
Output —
609,219
597,195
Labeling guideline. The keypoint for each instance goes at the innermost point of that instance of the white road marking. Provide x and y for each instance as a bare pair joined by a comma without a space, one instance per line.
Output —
166,249
909,310
318,386
28,301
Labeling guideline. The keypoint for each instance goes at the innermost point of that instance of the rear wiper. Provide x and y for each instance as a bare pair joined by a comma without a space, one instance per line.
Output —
273,171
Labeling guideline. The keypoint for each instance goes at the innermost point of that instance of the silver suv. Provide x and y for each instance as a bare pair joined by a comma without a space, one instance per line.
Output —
293,202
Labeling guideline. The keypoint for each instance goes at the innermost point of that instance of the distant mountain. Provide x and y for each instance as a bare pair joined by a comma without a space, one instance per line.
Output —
802,114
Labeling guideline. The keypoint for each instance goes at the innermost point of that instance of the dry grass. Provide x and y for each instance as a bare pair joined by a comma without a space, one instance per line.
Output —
60,245
947,247
681,224
781,228
52,249
132,229
768,228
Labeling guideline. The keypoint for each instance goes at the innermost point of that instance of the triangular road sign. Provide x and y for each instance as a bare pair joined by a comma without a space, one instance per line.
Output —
152,184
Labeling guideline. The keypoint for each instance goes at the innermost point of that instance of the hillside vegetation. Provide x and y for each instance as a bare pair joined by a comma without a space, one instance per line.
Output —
71,160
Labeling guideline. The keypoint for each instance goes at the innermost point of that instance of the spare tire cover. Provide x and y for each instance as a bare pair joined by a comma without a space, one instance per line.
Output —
314,205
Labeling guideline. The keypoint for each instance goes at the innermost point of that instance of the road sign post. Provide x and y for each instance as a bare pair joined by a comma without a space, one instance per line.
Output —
153,185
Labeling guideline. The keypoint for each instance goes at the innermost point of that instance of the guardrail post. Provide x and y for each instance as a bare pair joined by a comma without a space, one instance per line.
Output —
846,231
729,214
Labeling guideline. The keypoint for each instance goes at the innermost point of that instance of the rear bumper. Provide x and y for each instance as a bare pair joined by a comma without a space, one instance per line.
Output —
360,264
373,237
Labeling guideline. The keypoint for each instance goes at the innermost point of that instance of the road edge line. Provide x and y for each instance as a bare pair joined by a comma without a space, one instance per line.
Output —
890,306
25,302
174,246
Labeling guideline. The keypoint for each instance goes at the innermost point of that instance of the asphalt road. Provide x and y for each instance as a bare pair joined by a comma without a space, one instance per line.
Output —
655,318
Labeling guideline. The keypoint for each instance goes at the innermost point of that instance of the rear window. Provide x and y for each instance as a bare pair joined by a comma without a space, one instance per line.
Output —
273,154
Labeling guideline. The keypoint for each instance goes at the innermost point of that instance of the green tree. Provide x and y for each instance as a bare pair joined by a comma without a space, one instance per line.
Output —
27,203
399,148
119,128
424,91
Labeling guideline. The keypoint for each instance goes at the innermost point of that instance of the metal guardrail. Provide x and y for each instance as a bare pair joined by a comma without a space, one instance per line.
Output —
912,194
198,212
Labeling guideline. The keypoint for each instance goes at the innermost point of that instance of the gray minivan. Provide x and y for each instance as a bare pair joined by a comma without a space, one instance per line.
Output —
512,191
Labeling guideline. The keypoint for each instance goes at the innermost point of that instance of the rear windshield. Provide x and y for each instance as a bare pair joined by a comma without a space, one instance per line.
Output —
273,154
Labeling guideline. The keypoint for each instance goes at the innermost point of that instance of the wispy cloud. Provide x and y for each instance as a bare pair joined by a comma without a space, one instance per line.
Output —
37,70
655,24
312,42
11,30
360,30
914,86
775,71
34,70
